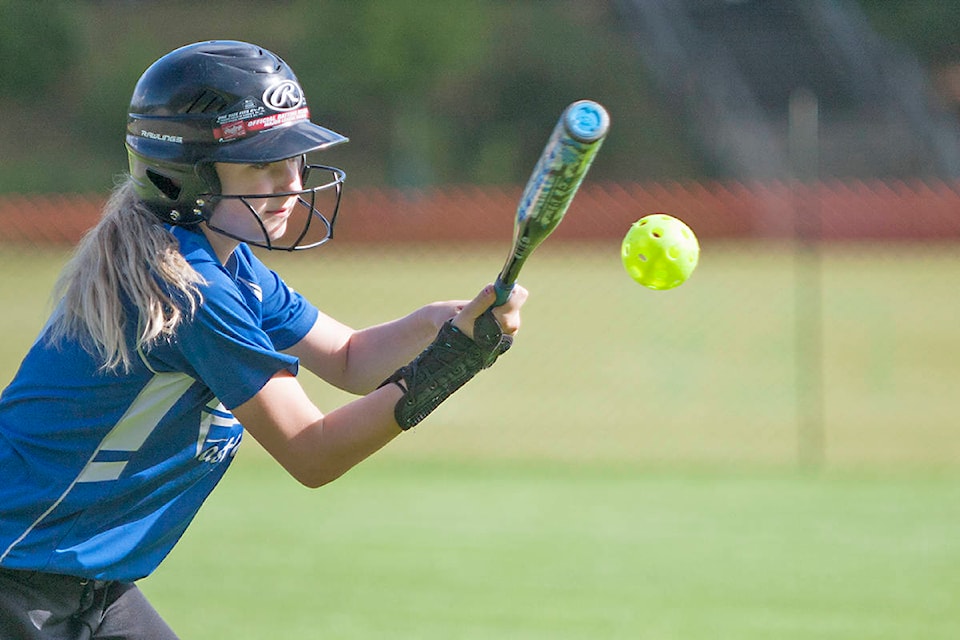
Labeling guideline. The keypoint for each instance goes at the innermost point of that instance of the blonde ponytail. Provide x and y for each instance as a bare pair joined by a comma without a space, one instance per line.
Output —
128,255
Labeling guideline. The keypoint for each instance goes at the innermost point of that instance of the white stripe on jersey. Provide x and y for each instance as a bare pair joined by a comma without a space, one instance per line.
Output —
142,416
152,403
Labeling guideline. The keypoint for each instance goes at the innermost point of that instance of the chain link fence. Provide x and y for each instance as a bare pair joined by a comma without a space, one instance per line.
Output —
836,349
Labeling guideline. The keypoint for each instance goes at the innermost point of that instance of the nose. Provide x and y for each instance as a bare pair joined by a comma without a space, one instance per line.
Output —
288,174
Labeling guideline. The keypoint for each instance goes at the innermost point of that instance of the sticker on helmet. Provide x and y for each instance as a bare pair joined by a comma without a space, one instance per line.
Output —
248,109
239,129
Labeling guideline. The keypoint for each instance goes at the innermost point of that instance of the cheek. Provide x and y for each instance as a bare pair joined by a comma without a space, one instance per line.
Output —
234,216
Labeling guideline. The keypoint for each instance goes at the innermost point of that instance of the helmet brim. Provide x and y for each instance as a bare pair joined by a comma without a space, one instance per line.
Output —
279,143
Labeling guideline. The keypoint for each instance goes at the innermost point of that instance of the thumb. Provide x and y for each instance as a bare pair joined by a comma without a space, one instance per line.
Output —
473,309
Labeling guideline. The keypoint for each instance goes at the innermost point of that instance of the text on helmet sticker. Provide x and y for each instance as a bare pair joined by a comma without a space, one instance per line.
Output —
241,128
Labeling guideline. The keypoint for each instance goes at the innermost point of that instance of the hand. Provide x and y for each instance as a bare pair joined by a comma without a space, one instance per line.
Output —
433,315
507,314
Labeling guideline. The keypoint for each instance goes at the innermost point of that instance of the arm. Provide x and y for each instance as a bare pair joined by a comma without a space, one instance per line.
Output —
358,360
317,448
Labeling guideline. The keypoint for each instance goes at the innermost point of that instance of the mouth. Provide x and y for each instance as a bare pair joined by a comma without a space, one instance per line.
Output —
278,213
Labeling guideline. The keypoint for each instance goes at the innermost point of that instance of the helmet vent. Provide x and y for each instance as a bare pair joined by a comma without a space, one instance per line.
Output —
166,186
207,102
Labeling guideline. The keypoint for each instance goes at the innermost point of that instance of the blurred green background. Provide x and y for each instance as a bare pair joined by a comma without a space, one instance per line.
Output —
769,451
435,91
429,92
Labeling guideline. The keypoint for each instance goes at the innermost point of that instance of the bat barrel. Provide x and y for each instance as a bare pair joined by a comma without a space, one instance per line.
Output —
564,162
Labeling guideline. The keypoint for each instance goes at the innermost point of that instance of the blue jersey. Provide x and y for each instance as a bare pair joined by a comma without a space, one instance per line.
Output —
100,473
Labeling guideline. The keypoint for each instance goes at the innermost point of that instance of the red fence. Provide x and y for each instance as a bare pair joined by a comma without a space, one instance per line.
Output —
871,210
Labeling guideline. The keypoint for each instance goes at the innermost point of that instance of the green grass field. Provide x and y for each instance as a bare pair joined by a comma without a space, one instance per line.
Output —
478,550
630,470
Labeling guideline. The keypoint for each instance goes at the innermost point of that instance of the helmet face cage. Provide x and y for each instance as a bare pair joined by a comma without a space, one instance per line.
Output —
302,232
226,102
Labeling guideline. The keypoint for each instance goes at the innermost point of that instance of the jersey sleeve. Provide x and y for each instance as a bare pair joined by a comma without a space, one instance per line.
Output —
233,342
287,316
226,348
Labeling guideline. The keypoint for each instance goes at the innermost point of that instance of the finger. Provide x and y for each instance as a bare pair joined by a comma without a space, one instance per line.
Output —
508,315
517,298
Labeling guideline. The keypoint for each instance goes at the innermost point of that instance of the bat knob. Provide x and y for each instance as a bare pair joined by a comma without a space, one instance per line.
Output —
586,120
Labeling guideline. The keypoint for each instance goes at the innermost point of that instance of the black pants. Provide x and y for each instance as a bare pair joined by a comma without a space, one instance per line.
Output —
46,606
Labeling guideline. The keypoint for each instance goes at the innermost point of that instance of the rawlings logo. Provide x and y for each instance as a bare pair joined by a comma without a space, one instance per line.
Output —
161,136
284,96
234,130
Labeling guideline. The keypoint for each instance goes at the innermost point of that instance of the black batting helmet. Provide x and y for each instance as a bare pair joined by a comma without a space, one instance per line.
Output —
215,101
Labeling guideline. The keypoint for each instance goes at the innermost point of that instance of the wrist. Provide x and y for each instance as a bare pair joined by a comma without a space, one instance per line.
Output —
444,366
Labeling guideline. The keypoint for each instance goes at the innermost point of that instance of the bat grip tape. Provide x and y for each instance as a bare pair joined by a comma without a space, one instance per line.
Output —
448,363
503,291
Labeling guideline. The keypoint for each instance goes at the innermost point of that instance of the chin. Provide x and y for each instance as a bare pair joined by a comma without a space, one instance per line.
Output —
278,232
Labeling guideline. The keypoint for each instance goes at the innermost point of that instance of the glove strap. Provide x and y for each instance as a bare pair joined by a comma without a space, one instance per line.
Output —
447,364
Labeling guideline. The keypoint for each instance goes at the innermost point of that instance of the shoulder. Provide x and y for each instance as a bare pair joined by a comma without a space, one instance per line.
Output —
198,253
195,248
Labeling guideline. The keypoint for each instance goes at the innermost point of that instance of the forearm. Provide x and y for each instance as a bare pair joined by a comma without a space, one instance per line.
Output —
374,353
316,448
348,435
